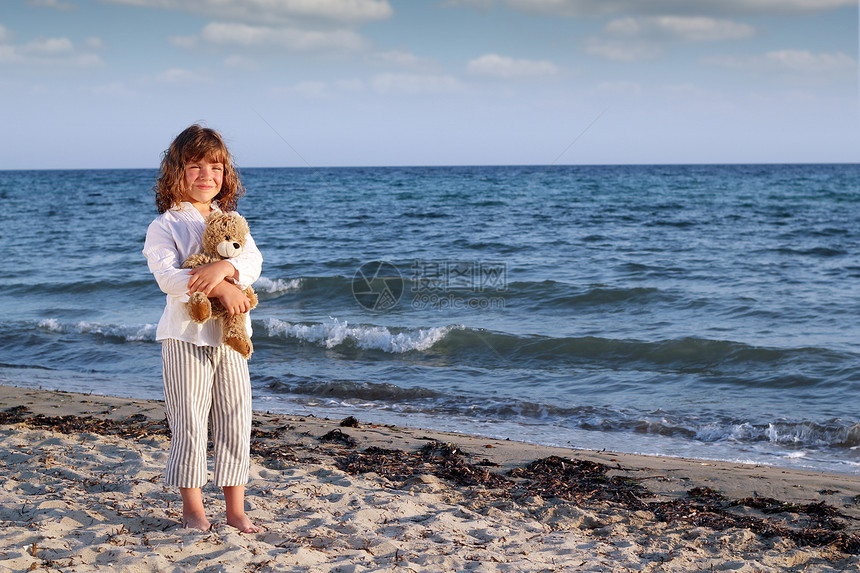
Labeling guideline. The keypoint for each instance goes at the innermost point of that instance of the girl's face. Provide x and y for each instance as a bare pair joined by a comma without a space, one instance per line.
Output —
202,181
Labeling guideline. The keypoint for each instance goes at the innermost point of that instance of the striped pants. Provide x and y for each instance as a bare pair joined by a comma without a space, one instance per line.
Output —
203,383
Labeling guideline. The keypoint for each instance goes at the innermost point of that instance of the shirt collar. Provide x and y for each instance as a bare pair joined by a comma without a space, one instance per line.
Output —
187,210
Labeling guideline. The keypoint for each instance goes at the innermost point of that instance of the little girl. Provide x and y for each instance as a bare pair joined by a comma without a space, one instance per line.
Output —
203,379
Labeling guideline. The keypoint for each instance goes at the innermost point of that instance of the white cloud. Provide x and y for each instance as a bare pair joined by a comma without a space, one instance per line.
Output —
794,61
494,65
47,47
479,4
55,4
415,84
566,7
93,43
574,8
780,6
688,28
280,11
49,51
635,39
622,51
291,39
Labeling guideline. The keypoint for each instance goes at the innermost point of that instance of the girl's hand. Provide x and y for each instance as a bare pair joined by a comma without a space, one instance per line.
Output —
206,277
233,299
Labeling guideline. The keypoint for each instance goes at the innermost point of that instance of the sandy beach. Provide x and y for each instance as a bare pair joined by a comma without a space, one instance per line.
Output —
82,491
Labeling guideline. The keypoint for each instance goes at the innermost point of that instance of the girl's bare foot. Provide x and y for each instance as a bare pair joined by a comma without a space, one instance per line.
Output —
196,522
234,497
242,523
193,512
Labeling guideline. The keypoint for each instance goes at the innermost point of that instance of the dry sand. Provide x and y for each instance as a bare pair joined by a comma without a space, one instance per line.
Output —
79,495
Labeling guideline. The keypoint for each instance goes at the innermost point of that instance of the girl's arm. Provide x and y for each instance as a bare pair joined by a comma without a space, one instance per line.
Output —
233,299
206,277
163,260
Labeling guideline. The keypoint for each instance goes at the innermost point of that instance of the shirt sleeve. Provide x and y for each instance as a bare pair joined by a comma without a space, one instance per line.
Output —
249,263
163,259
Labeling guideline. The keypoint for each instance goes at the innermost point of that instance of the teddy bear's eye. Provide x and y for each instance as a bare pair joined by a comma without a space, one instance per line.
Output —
227,238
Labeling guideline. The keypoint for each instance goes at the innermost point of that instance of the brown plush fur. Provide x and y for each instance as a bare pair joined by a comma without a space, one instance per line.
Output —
221,227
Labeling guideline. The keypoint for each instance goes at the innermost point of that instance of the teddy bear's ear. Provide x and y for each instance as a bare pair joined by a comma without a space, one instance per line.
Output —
242,226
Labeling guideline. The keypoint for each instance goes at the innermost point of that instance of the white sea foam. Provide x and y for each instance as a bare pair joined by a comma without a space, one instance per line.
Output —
336,332
51,324
128,332
277,286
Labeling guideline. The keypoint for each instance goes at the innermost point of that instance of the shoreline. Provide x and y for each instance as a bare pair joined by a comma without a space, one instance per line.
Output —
354,500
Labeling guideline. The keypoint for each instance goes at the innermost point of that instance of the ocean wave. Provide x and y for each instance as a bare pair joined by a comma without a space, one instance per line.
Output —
812,251
336,333
727,362
546,295
554,294
349,390
321,290
125,332
103,285
835,433
789,434
277,286
683,354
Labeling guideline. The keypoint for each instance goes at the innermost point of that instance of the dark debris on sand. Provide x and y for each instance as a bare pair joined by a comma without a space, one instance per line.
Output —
134,427
442,460
581,482
585,483
339,437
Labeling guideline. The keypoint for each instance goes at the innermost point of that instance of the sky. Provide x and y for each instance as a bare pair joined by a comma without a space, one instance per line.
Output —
292,83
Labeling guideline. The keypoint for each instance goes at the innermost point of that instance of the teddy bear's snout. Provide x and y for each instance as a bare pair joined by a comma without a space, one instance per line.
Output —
229,249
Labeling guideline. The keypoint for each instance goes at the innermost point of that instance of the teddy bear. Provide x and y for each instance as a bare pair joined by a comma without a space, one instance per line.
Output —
223,238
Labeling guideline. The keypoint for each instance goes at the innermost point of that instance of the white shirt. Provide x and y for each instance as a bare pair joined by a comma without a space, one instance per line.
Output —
170,239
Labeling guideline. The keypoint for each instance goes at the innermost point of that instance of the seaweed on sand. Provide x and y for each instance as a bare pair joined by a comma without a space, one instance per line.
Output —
134,427
581,482
339,437
585,483
436,458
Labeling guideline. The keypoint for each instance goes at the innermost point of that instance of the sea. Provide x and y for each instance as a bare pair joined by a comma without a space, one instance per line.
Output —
703,311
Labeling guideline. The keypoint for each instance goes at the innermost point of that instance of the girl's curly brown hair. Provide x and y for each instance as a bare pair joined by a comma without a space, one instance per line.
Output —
194,144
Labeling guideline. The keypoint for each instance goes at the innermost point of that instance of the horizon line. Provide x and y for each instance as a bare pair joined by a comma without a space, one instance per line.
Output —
460,165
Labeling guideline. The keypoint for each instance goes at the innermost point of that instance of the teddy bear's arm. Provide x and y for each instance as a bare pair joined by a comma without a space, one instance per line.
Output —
197,260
